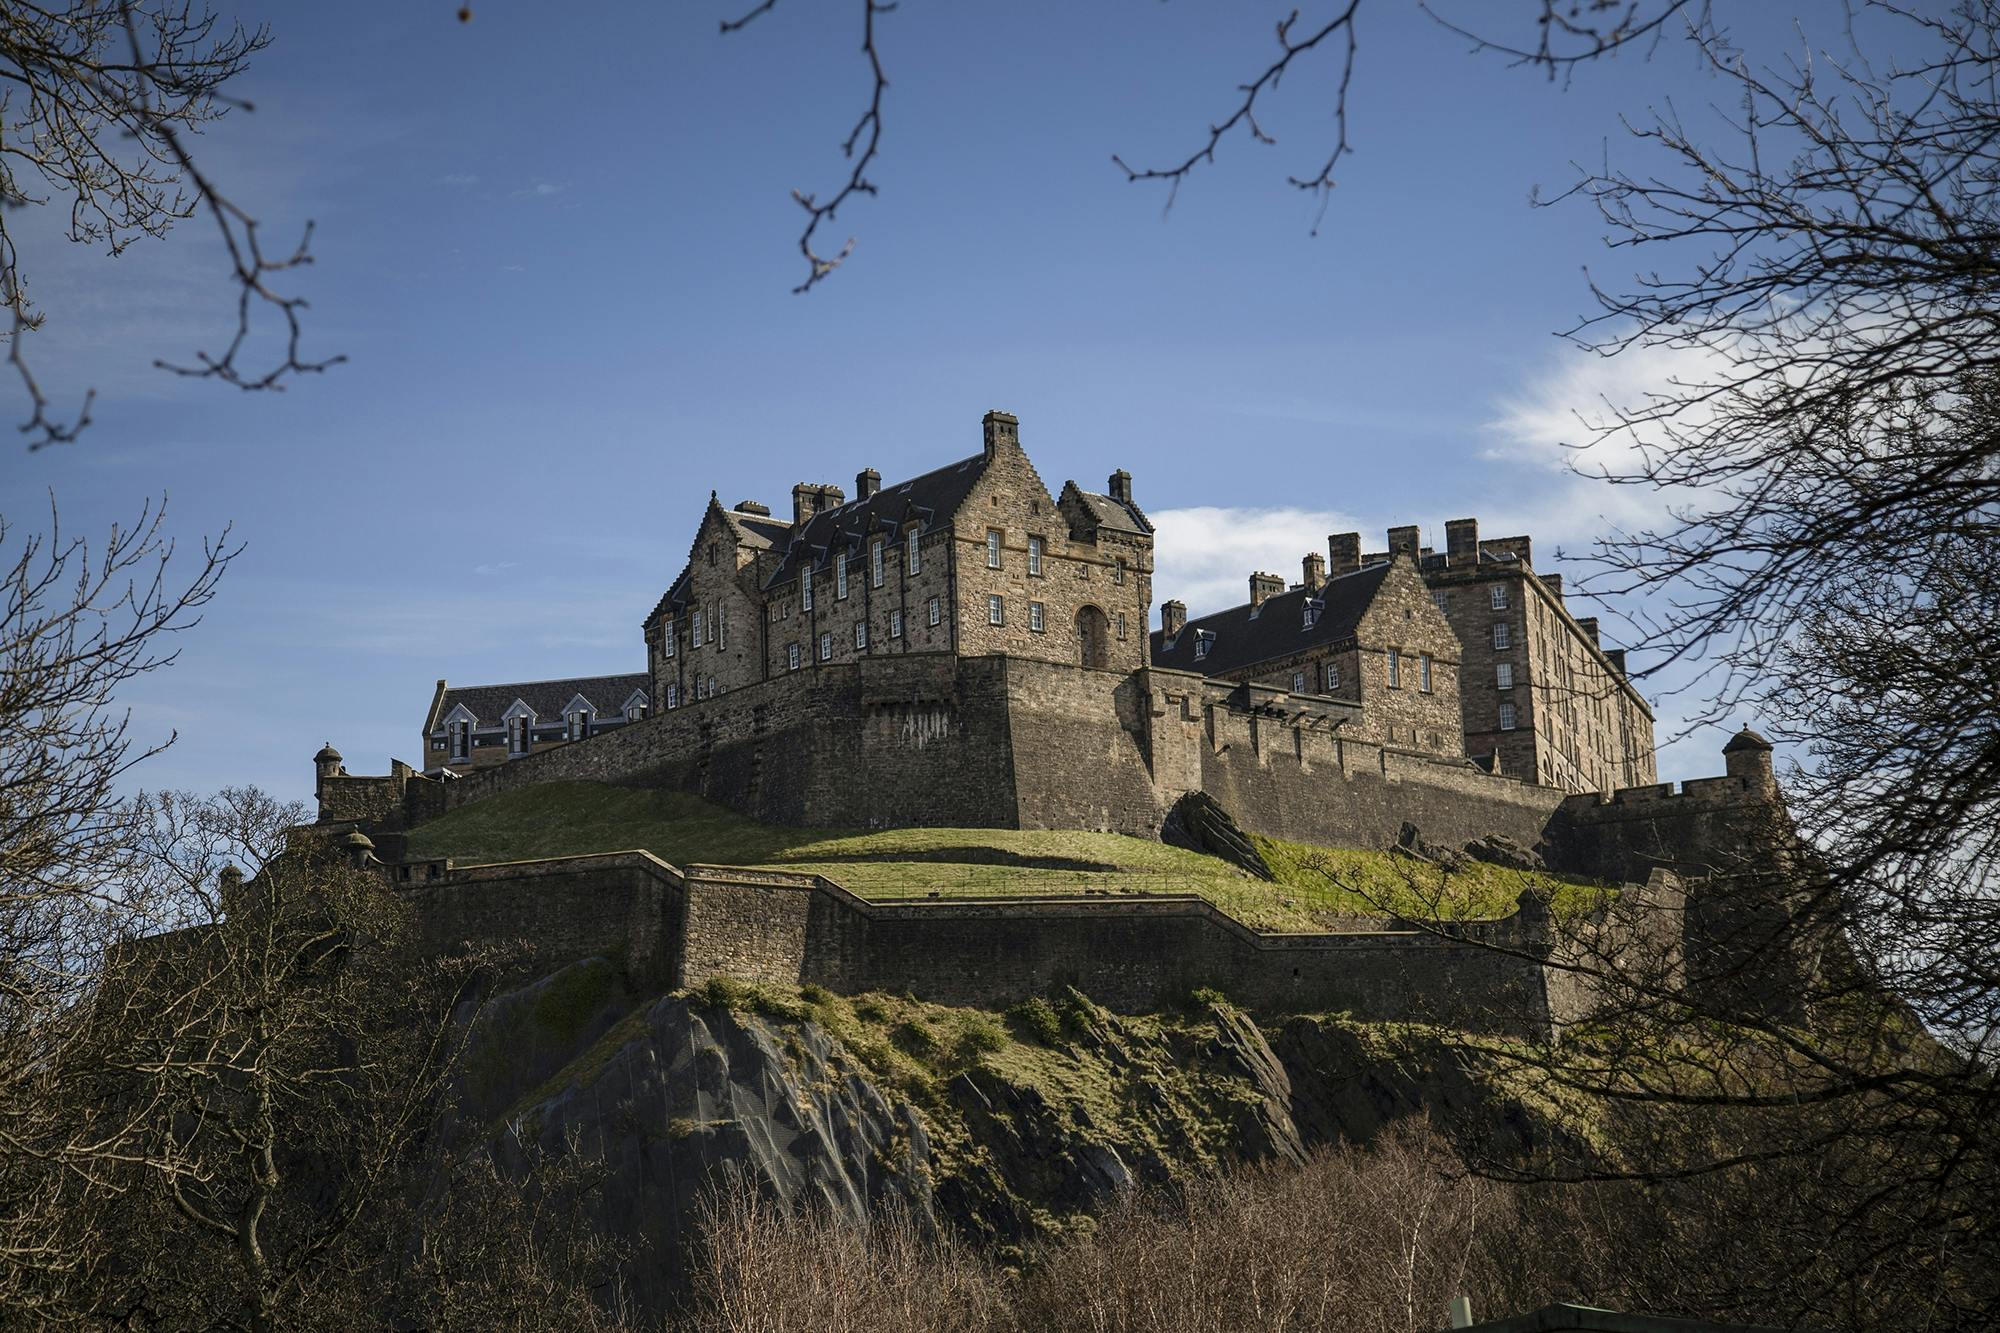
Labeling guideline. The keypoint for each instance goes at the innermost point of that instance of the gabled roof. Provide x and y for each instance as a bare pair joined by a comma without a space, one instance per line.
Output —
1117,515
929,500
548,698
1238,639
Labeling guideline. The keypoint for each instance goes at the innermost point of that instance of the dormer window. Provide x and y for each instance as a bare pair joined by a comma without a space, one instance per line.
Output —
578,726
1202,641
1310,615
461,740
517,735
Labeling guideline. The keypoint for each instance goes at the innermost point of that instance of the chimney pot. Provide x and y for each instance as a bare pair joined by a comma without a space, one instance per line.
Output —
1264,586
1000,428
1461,542
1343,554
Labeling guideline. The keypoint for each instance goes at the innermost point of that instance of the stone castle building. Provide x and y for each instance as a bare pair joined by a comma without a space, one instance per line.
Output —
477,726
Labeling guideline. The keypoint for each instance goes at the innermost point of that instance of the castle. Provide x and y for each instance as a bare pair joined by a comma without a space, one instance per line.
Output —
969,649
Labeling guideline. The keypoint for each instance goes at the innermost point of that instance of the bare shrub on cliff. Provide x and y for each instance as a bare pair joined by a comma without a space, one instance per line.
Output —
765,1268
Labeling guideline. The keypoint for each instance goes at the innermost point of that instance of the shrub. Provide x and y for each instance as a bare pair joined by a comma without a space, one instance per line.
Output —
1039,1020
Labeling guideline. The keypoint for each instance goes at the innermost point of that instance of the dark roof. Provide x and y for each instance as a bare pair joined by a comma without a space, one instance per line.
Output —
930,500
489,703
1746,739
1115,514
1237,639
674,596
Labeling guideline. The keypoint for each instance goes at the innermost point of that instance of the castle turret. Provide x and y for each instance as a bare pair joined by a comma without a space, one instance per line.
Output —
326,764
1173,617
1313,567
1748,756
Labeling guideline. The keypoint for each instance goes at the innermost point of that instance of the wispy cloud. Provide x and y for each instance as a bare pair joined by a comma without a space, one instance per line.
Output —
458,179
513,268
541,190
496,567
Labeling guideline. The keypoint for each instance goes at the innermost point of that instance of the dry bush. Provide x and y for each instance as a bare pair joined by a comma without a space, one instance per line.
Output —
1359,1240
762,1268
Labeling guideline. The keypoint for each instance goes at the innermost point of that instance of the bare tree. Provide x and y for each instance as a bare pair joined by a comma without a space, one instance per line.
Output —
77,624
287,1043
101,103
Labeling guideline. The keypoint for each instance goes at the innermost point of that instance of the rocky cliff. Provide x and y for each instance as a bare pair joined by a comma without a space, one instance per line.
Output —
1007,1129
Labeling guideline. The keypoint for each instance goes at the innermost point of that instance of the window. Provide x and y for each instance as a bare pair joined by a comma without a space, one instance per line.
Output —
718,629
517,735
700,687
1499,591
673,694
996,609
936,611
860,634
1035,616
806,590
1395,670
461,739
993,548
1332,677
895,624
1443,600
839,578
792,657
875,563
1298,682
1503,675
1118,572
826,646
1034,555
1202,638
911,564
1424,672
694,630
670,638
1121,624
1501,637
1507,716
579,726
1310,615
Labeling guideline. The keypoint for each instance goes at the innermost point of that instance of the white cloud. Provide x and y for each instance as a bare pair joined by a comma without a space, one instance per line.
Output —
459,179
497,567
541,190
1205,555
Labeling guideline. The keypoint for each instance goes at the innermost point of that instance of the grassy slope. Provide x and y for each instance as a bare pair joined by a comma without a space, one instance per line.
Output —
562,819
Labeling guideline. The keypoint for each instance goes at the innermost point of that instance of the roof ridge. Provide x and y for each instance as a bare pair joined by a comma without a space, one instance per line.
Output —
546,680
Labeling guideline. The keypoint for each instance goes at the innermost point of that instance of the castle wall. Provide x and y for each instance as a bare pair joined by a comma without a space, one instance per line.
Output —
538,915
746,924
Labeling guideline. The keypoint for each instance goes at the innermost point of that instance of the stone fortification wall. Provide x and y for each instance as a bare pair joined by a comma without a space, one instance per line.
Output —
538,915
1711,826
747,924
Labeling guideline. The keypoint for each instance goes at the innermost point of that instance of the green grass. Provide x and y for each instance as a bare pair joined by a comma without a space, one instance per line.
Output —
566,819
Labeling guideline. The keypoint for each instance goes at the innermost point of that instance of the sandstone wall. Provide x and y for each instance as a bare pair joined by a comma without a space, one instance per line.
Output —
539,915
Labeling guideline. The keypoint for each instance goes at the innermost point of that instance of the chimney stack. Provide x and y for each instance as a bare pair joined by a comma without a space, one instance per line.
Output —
1173,617
1263,586
1343,554
809,498
1121,486
1554,583
1461,542
1000,428
1589,626
1403,541
866,483
1314,568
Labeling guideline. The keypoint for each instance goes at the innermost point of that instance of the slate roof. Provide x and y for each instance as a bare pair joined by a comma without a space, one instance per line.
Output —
488,703
1240,640
930,499
1115,514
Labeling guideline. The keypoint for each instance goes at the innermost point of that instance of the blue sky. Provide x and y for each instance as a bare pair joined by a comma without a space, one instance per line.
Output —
559,252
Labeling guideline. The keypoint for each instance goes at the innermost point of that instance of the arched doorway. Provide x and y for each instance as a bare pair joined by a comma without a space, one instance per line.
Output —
1091,648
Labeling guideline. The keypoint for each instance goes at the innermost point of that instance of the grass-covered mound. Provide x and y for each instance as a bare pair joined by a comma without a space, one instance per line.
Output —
1315,886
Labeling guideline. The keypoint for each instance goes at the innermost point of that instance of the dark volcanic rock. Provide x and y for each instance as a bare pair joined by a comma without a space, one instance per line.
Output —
1500,850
